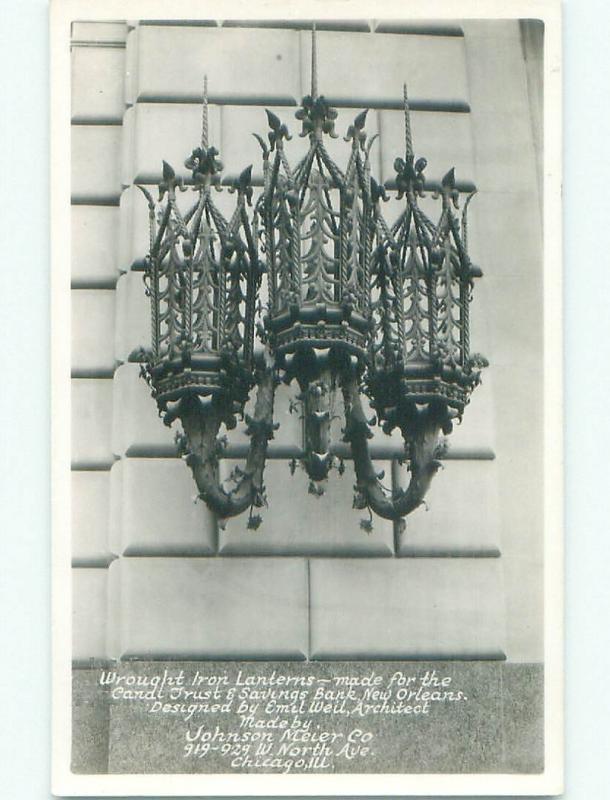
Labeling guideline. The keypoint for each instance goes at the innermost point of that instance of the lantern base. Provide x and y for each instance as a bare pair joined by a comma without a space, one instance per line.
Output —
204,375
396,395
321,326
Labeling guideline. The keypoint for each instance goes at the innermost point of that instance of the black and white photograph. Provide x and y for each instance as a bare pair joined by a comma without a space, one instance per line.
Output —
307,508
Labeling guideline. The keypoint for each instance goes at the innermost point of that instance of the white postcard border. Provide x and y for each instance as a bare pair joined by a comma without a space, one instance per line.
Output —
64,782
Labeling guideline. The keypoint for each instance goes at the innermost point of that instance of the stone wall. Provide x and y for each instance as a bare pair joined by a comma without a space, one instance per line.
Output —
154,576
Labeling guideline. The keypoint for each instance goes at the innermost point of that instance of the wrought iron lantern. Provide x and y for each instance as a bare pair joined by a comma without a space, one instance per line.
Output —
353,304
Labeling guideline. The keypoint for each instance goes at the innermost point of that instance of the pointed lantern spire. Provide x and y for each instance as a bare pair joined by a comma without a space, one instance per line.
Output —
408,137
314,64
204,115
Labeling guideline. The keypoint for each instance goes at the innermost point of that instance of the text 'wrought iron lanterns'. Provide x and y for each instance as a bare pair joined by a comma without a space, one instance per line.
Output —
337,298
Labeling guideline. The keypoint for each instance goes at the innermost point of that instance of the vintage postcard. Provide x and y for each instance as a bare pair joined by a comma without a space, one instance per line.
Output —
307,366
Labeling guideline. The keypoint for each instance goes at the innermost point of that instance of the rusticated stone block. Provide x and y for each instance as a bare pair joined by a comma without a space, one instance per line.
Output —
505,156
96,164
493,218
447,608
132,315
461,513
238,63
98,79
99,32
88,614
362,66
138,430
516,333
90,517
134,231
194,608
92,332
494,51
91,423
155,511
324,525
94,251
507,162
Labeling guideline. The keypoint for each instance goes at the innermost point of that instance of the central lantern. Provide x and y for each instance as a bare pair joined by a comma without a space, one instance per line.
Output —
352,303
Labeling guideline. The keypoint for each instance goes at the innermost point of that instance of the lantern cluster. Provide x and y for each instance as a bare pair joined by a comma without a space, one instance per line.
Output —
334,295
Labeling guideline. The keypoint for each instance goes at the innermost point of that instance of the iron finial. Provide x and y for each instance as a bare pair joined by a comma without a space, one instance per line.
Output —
408,138
314,64
204,115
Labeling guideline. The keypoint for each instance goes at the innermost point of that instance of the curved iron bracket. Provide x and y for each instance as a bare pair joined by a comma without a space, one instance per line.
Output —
421,440
201,428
